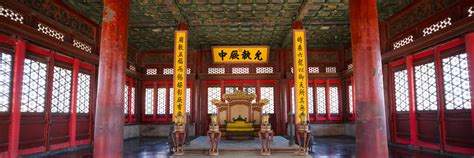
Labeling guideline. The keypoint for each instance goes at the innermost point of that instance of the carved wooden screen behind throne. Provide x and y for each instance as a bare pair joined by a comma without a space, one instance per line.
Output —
239,103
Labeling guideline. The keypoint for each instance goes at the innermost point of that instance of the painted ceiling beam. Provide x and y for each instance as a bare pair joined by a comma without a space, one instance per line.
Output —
302,11
176,11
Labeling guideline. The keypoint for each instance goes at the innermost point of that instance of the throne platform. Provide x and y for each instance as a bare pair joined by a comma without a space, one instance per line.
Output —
279,144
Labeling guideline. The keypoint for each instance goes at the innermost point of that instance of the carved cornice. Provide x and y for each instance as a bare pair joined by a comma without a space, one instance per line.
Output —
239,95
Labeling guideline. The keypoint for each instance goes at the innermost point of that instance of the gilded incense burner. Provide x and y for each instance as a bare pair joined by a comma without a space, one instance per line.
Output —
179,126
213,126
303,124
266,126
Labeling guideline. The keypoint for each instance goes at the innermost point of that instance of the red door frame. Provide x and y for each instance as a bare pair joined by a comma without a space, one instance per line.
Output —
15,114
438,52
130,118
393,107
21,47
408,61
413,117
91,69
351,116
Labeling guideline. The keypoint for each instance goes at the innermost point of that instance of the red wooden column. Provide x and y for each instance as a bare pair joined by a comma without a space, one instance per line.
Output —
14,131
108,131
371,135
72,124
469,38
411,100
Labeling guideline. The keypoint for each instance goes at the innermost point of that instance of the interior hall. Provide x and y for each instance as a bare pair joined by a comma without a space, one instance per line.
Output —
236,78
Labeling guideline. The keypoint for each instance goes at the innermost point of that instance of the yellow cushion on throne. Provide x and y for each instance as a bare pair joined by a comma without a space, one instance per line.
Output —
240,126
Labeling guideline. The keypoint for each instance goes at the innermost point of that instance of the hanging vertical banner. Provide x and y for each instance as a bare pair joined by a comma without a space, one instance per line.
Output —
301,75
179,76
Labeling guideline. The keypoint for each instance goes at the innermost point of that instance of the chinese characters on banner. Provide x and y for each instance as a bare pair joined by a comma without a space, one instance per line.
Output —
179,77
240,54
301,76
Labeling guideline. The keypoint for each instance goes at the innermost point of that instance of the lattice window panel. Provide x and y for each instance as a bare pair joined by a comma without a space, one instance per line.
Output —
13,15
268,93
5,81
83,93
125,100
400,79
61,98
215,70
212,93
171,100
151,71
334,100
293,100
437,26
264,70
351,100
161,101
313,70
149,93
250,90
403,42
470,11
310,100
321,99
350,66
167,71
240,70
456,82
425,87
34,86
188,100
331,70
132,67
133,101
230,90
50,32
81,45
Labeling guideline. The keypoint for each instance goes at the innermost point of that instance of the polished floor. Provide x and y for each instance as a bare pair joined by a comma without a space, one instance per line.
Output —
328,147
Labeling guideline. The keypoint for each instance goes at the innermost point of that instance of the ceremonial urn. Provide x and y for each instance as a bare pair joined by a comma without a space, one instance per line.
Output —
213,126
303,124
265,135
179,125
266,126
179,128
179,135
302,128
214,136
303,135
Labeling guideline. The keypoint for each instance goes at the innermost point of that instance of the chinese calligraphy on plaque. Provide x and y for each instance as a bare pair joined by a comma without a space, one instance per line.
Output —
179,76
301,76
240,54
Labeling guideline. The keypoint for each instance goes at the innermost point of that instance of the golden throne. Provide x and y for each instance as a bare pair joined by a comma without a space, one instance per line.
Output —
238,114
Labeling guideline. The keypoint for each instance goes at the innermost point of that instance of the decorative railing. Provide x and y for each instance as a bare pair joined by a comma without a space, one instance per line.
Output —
406,27
73,30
